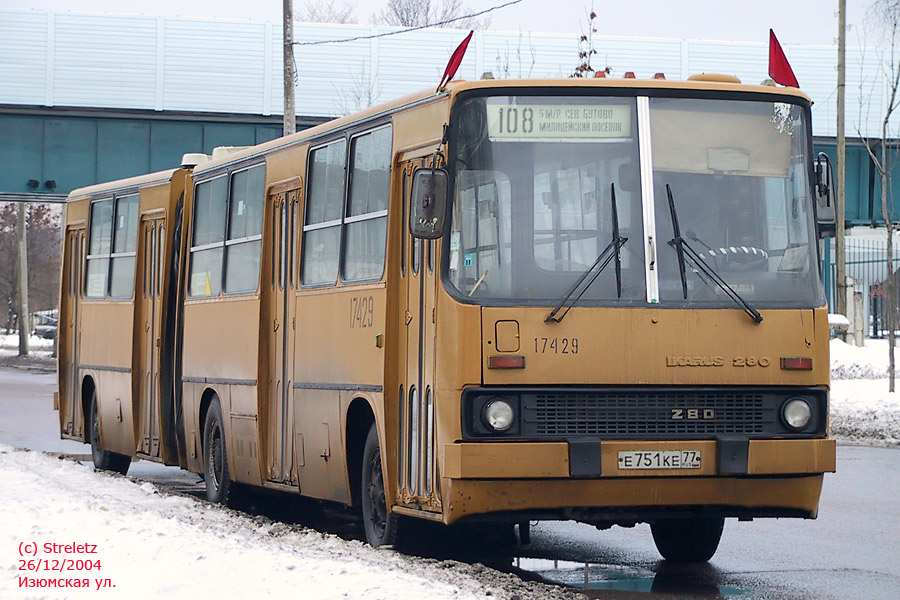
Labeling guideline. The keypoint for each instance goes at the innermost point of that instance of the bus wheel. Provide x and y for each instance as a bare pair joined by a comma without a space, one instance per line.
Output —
381,526
219,487
687,540
104,460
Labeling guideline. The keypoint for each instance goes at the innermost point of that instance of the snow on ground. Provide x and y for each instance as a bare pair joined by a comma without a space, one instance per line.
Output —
865,362
153,545
40,353
864,412
10,341
862,409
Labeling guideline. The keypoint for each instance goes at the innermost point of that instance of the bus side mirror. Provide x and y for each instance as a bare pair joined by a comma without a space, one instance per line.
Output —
825,208
428,203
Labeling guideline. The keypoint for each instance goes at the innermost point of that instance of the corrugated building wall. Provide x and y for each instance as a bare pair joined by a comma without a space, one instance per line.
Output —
201,69
218,65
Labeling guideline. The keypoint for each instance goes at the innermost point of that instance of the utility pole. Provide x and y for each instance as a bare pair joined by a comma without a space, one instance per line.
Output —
841,198
22,308
290,118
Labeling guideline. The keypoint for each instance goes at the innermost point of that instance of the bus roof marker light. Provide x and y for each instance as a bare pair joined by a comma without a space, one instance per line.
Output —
629,75
514,361
659,76
796,363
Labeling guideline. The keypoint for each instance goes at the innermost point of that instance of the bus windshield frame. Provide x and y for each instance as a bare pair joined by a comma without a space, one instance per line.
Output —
534,174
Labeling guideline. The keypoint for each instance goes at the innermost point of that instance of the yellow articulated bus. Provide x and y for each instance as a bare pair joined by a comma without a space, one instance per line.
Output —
507,301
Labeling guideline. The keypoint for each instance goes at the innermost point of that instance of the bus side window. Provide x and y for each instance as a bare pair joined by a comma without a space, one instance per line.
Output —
403,224
324,203
208,238
125,231
366,219
414,445
245,218
98,249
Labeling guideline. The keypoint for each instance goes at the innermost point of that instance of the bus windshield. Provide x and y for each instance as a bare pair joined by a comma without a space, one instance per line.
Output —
536,178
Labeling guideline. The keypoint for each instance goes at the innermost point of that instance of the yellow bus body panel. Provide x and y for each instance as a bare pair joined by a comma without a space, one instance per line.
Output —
469,497
653,346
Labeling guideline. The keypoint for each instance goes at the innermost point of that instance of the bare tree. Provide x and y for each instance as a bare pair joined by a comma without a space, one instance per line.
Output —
517,62
363,91
885,15
327,11
43,222
586,50
415,13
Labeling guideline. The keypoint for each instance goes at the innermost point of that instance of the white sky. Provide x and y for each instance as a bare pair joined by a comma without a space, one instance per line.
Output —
794,21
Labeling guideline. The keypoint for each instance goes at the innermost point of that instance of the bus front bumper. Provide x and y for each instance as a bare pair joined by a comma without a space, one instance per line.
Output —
745,479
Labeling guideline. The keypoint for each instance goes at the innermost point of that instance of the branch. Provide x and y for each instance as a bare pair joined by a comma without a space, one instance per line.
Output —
872,155
408,29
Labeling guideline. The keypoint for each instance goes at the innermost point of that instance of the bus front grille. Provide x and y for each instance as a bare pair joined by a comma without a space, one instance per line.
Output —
648,413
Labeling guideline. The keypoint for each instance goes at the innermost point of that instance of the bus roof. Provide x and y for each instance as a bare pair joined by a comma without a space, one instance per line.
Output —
457,87
312,132
709,83
131,182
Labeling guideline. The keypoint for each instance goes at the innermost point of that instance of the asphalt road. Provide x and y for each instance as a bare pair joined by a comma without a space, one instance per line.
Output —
851,551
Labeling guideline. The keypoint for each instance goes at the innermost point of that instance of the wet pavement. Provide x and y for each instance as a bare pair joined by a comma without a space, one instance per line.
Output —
851,551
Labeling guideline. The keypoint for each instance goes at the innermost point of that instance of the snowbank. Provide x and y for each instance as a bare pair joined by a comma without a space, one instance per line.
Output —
152,545
862,409
866,362
864,412
10,341
40,356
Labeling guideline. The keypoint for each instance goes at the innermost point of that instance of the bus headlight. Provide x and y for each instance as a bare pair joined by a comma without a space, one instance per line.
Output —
498,414
796,413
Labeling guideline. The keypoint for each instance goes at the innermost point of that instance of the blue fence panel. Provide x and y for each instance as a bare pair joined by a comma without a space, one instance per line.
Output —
866,263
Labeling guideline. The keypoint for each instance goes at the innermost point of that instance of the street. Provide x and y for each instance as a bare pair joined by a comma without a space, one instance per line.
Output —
850,551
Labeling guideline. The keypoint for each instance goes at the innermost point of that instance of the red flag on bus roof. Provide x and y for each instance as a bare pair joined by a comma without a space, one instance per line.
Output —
779,68
455,60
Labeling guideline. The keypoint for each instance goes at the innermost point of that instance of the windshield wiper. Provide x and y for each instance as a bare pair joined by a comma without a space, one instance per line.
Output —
612,251
685,251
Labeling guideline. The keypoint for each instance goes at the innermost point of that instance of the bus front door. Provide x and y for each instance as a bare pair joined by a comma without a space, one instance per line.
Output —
417,436
280,281
149,315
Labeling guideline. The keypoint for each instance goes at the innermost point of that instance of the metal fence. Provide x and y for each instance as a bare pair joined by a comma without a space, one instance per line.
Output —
866,261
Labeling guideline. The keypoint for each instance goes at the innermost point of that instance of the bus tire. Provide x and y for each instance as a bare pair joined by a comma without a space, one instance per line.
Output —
104,460
382,527
687,540
219,486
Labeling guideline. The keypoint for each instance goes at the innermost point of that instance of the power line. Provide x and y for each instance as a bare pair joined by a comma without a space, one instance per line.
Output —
378,35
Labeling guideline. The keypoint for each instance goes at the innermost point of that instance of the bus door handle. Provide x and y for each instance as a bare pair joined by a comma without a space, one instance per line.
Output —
276,325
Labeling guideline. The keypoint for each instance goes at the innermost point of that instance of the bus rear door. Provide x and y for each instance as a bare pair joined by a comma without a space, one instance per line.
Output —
149,315
71,419
279,283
